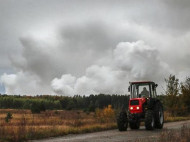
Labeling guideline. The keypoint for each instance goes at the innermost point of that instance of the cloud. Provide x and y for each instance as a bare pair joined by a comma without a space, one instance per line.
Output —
23,83
101,79
140,60
132,61
69,50
64,85
97,79
100,45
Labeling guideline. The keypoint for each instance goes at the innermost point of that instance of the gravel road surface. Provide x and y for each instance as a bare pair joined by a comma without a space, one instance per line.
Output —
115,135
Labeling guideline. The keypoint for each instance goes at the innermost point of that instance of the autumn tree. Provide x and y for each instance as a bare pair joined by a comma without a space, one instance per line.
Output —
174,101
185,89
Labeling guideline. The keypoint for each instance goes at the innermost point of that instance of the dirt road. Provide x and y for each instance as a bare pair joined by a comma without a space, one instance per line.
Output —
115,135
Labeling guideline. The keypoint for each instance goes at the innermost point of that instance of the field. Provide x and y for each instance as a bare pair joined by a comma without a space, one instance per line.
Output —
24,125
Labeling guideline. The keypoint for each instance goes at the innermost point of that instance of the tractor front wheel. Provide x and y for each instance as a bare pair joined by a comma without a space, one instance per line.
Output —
122,121
149,120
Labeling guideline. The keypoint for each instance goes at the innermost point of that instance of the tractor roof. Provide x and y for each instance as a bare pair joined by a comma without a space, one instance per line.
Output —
141,82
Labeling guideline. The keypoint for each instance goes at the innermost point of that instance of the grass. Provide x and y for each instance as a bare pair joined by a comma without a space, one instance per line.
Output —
169,118
26,126
181,135
174,135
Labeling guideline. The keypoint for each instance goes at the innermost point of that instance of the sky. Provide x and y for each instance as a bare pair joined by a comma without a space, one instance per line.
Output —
84,47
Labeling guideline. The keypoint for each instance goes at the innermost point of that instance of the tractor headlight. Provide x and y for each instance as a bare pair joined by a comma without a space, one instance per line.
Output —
137,107
131,108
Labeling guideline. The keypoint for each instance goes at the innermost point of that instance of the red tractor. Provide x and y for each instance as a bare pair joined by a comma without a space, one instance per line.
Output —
143,107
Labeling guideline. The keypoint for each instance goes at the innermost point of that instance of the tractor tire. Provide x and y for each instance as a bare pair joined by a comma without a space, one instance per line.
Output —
149,120
134,125
159,116
122,121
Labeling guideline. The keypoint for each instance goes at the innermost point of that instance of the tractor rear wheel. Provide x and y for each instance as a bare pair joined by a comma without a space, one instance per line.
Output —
122,121
159,116
149,120
134,125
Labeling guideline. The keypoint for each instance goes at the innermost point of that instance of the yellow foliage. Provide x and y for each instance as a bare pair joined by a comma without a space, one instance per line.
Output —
105,115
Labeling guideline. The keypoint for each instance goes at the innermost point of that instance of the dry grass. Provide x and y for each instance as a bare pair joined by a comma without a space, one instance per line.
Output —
181,135
174,135
24,125
169,118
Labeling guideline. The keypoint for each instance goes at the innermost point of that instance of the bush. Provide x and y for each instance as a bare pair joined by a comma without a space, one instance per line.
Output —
105,115
37,107
8,117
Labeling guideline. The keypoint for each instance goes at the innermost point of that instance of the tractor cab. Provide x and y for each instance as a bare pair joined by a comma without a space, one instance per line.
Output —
144,89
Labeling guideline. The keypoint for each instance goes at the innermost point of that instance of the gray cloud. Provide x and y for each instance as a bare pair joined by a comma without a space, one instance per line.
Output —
23,83
46,42
131,61
140,60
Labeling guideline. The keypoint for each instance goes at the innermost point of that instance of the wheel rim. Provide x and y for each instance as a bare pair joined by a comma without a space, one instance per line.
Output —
152,123
161,116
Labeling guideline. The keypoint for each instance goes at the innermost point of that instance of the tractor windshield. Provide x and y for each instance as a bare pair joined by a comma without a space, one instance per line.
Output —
140,90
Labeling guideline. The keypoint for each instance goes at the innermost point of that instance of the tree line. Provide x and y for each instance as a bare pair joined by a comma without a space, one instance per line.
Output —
47,102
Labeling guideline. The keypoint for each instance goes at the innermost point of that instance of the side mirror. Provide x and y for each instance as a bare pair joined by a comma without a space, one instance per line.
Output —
129,89
154,86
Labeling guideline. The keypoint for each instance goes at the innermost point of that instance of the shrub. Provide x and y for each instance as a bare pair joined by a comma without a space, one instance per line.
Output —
105,115
35,108
8,117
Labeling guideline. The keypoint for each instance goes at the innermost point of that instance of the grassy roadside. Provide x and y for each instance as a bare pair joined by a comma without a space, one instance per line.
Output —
23,133
170,135
169,118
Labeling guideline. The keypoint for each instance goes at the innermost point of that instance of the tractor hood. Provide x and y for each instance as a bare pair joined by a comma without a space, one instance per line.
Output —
135,105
